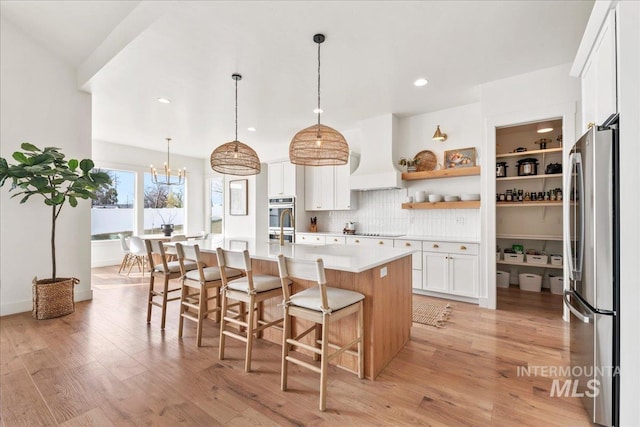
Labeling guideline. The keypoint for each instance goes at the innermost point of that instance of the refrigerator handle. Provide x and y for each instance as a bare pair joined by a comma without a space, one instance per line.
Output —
575,311
575,271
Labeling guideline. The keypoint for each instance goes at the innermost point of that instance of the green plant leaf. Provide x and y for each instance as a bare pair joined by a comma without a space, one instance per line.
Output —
29,147
73,164
57,199
20,157
86,165
73,201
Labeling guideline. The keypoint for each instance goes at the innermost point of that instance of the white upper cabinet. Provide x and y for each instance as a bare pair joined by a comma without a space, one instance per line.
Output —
319,183
282,179
599,80
327,188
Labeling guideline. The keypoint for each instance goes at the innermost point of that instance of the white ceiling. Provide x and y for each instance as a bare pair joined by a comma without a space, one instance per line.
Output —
373,53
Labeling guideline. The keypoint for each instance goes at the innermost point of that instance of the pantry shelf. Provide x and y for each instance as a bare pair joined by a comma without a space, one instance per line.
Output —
517,178
529,237
442,173
475,204
525,204
529,264
528,153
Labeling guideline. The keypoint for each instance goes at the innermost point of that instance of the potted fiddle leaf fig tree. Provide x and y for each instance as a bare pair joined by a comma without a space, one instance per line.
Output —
47,174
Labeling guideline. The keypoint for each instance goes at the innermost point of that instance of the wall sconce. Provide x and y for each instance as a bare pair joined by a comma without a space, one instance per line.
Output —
544,127
439,136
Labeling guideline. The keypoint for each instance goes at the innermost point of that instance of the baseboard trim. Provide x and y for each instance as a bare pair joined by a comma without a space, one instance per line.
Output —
27,305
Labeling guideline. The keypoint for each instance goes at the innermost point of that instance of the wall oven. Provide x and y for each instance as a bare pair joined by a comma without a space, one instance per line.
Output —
276,206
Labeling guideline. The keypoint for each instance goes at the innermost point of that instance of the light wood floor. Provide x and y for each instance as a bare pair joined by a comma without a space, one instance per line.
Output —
103,365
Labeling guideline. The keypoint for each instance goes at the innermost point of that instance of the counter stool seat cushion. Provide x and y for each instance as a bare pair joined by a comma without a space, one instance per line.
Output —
174,266
261,283
212,274
337,298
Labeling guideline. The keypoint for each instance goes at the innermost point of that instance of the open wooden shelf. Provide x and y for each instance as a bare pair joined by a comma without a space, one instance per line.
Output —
527,153
529,264
442,173
474,204
543,203
541,176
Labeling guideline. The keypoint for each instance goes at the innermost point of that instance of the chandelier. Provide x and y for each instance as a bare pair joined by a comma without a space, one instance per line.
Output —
235,157
318,145
167,179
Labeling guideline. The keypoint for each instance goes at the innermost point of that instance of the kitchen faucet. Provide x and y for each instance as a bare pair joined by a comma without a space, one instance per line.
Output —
282,224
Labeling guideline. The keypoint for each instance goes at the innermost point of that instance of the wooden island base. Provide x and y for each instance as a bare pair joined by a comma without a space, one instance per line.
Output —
387,311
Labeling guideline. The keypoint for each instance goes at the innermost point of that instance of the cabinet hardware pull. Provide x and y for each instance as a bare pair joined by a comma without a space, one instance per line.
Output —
463,248
381,242
335,240
317,238
590,125
407,244
435,246
357,241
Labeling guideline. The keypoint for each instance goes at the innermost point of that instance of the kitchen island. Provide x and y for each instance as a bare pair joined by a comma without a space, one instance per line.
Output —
382,275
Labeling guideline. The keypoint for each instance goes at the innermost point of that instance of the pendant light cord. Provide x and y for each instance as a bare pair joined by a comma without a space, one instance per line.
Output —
236,109
319,86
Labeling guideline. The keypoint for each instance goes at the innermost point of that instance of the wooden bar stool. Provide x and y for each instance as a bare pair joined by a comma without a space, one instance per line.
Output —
162,270
321,305
252,290
195,288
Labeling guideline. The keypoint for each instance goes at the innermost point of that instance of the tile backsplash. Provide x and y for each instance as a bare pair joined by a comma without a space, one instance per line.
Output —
381,212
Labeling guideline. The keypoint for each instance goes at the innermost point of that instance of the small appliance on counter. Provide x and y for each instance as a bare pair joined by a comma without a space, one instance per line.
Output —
528,166
553,168
349,228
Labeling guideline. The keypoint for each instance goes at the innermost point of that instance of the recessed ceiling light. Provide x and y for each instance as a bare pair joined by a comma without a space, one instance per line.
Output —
420,82
317,110
164,100
251,129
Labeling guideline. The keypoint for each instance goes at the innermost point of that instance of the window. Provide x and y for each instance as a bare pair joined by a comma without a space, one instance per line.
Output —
112,210
163,204
217,202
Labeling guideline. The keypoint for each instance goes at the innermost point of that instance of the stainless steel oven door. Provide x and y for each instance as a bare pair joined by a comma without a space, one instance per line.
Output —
274,216
274,236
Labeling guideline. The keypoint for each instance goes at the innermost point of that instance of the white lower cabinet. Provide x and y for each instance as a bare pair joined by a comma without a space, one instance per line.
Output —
416,260
369,241
310,239
450,268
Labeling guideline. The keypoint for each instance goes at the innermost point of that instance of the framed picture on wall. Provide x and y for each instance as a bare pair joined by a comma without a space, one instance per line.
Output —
460,158
238,197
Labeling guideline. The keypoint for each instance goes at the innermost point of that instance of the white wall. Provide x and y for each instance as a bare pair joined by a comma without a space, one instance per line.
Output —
122,157
540,95
254,224
629,108
39,103
380,211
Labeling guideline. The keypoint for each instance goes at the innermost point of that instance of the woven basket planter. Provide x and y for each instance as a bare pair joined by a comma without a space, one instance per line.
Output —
53,299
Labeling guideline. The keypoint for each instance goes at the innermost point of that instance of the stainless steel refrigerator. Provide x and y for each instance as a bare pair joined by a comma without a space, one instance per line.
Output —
592,249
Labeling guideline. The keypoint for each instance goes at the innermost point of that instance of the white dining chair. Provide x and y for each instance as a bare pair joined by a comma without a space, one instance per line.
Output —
138,253
127,258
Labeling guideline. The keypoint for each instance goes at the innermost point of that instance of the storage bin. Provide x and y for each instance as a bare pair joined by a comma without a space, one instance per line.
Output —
556,259
530,282
513,257
537,259
502,279
556,285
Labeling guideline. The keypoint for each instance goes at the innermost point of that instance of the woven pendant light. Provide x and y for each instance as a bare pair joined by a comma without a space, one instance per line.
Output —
319,145
235,157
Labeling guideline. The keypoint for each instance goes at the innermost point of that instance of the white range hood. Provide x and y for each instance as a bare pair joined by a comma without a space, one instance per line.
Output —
377,168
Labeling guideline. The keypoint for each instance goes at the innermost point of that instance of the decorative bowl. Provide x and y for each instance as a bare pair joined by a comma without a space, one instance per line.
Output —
451,198
469,197
435,198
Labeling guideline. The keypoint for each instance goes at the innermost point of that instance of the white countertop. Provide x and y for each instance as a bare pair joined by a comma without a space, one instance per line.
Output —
350,258
402,237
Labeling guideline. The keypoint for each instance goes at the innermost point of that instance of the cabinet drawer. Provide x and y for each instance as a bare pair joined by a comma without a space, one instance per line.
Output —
335,240
369,241
451,247
416,261
310,239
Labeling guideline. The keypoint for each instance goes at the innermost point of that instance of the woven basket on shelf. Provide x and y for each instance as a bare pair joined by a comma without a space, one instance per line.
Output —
53,299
